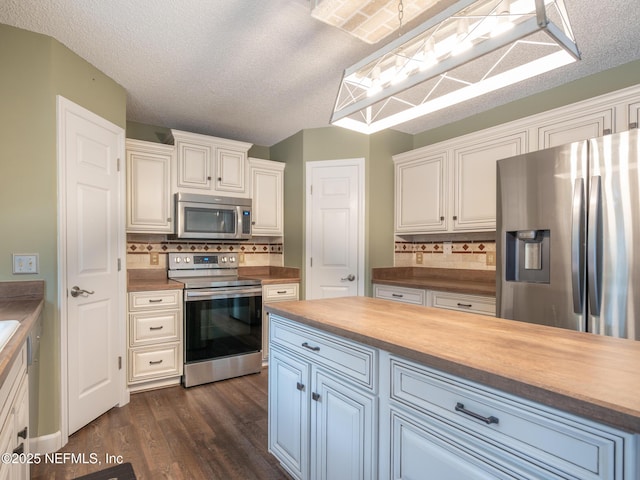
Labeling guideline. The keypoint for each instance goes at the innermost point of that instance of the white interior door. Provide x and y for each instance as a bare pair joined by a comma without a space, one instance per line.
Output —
335,228
91,243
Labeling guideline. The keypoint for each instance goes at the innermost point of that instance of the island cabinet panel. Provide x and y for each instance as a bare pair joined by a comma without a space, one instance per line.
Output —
289,439
342,409
322,404
526,440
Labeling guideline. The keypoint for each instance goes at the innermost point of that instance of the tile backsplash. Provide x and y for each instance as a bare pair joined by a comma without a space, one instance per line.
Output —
267,252
472,255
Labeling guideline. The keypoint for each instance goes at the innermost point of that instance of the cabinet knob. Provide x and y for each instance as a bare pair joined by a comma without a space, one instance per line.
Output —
300,386
442,219
455,217
219,179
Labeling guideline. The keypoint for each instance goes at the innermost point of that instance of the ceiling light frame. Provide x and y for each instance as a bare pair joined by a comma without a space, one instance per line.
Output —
360,103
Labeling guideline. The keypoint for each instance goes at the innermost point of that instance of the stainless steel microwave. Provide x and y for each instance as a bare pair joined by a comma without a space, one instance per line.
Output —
210,217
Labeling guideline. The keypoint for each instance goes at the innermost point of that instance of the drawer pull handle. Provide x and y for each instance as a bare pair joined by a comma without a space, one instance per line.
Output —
281,292
315,396
315,349
155,362
155,300
465,305
157,328
300,386
23,433
397,295
19,449
487,420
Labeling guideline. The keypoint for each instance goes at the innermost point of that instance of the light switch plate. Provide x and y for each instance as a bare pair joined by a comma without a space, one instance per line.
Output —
25,263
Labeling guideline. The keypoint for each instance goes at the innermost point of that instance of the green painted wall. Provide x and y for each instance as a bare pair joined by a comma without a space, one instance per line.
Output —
35,68
332,143
598,84
154,133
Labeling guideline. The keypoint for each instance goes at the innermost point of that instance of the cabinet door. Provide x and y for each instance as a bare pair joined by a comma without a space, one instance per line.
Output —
289,412
418,448
194,165
474,184
230,171
344,445
21,431
633,115
149,205
267,195
578,127
420,195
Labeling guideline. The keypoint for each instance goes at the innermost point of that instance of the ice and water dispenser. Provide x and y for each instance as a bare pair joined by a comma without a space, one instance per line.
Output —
527,256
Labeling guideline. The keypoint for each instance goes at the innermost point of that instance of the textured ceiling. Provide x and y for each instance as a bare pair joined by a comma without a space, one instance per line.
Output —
261,70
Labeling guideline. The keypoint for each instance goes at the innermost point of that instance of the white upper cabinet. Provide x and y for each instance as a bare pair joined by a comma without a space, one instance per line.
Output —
210,165
149,201
575,127
451,186
421,185
474,180
266,190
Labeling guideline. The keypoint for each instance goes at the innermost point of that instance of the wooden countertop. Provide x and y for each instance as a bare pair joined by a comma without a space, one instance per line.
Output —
22,301
142,280
271,275
589,375
139,280
473,282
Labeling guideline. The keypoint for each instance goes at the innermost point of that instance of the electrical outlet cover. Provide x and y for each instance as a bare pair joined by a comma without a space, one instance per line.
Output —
25,263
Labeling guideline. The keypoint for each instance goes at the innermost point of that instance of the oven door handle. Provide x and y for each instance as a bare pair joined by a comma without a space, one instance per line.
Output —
205,294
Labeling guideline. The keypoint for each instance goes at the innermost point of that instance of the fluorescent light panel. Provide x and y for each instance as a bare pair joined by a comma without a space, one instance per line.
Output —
470,49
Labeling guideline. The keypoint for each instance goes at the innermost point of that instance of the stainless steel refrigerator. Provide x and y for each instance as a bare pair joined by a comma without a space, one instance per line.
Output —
567,232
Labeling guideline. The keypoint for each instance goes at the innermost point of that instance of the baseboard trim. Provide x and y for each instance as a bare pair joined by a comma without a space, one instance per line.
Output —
46,443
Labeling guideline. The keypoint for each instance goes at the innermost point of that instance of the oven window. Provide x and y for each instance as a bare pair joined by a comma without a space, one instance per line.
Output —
222,327
209,220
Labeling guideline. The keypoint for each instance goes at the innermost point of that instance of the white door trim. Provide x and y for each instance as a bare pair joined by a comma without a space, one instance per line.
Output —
360,164
64,105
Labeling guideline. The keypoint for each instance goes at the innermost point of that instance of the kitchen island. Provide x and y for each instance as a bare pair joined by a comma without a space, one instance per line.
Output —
458,393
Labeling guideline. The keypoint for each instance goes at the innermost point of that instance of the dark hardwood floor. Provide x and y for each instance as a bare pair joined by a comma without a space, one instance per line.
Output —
213,431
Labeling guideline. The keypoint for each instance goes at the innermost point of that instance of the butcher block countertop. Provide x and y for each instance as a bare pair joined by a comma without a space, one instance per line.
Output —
591,376
473,282
143,280
22,301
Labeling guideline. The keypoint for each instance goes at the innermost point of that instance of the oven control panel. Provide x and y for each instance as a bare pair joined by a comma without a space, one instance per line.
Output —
190,261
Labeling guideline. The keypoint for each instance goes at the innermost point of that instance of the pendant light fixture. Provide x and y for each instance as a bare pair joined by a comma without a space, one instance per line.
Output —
469,49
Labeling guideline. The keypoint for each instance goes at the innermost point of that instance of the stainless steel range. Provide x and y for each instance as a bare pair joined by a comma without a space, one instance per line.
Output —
222,317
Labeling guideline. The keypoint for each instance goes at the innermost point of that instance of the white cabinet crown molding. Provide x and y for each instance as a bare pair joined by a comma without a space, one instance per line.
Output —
217,141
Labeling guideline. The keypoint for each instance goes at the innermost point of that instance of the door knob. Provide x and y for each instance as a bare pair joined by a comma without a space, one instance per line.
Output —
351,277
76,291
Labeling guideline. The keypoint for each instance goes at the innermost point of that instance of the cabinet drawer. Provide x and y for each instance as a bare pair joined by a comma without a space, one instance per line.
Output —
350,359
155,299
285,291
154,327
464,303
154,362
544,438
414,296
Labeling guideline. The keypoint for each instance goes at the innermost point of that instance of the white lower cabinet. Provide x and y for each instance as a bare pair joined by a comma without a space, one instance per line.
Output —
272,293
322,404
155,339
343,410
14,419
415,296
445,424
480,304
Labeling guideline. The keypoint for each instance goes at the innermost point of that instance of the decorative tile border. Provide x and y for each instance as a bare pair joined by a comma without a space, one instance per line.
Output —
170,247
465,255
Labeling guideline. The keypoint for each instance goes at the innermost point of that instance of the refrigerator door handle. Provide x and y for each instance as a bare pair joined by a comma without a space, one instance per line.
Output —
594,248
577,245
